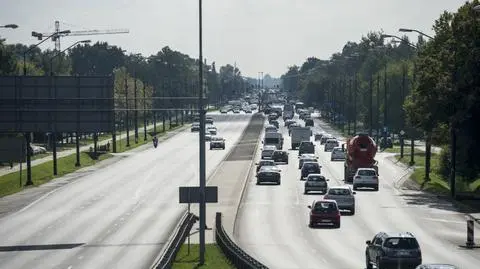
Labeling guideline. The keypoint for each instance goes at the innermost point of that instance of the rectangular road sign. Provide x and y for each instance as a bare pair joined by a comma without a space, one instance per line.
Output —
191,195
56,103
12,149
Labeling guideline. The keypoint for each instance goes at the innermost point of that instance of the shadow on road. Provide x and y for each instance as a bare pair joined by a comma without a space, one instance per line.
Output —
443,203
39,247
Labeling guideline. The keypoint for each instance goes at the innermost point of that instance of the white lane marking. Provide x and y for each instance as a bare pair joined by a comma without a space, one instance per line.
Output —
445,220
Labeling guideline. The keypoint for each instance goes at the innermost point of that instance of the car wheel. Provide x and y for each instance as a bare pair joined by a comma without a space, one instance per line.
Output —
352,211
337,225
355,187
375,188
311,224
331,159
211,148
305,192
278,182
258,182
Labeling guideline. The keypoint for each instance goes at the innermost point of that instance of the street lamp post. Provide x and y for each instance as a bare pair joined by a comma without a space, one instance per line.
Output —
135,112
144,113
54,133
414,30
27,135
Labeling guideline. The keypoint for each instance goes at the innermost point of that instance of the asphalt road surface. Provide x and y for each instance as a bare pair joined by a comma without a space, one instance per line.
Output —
118,217
272,220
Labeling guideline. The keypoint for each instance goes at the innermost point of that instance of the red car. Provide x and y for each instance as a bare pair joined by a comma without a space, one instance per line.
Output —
324,212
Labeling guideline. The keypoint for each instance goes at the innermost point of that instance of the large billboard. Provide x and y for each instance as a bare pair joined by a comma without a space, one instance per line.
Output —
56,104
12,149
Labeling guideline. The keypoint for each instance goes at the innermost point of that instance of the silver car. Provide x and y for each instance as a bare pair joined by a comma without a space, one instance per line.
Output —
315,182
436,266
337,154
344,197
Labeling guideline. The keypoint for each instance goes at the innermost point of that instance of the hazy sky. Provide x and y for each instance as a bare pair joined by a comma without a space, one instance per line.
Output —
259,35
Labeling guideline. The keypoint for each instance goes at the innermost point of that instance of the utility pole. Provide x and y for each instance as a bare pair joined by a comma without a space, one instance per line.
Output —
370,109
350,83
127,126
404,88
355,105
378,109
135,113
202,154
144,113
385,122
412,137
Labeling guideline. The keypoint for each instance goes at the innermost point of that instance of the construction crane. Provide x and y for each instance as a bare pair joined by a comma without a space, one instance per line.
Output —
56,38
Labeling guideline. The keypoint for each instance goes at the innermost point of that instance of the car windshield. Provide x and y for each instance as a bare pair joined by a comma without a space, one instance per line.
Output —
337,150
401,243
309,160
324,207
217,139
339,192
367,173
264,163
316,178
279,153
309,165
267,152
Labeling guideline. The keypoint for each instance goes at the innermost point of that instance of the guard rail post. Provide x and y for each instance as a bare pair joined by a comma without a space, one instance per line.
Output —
470,234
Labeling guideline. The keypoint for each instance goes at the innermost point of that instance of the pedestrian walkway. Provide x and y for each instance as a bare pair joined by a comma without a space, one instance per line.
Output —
64,153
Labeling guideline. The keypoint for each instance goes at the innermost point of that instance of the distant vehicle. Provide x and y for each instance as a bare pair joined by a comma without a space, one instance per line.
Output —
360,153
300,134
299,105
436,266
293,125
195,127
330,144
209,120
267,152
324,138
280,156
306,158
224,110
248,110
338,153
288,122
365,177
309,168
344,197
262,163
306,147
271,129
253,106
236,110
212,130
272,116
275,123
273,138
315,182
393,250
318,136
269,174
217,143
208,137
324,212
309,122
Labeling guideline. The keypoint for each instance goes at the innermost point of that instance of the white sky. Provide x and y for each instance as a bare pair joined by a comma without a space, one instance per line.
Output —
259,35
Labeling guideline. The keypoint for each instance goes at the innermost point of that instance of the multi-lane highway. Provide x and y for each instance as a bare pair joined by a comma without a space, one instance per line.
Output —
272,220
118,217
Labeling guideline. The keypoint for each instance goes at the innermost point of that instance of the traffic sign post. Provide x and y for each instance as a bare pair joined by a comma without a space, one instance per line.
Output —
402,133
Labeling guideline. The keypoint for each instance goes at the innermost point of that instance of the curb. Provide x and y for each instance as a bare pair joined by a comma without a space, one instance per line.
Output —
247,176
417,187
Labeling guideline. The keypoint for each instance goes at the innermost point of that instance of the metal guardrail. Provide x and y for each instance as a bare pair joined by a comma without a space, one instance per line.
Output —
175,242
234,253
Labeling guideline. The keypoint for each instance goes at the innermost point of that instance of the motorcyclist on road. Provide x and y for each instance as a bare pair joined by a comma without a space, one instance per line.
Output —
155,141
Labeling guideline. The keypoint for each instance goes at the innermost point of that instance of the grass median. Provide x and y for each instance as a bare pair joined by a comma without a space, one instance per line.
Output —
214,258
437,184
43,173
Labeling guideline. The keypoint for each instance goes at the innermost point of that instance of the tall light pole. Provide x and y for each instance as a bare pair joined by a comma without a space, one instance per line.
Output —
202,184
54,133
407,30
60,53
36,45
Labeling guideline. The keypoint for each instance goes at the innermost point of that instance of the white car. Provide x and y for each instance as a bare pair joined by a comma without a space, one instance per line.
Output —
212,130
315,182
344,197
330,144
337,154
365,177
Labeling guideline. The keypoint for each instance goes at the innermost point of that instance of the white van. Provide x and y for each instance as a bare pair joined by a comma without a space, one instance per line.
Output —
330,144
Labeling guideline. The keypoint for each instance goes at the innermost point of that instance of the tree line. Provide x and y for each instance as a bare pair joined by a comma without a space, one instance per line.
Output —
163,78
430,89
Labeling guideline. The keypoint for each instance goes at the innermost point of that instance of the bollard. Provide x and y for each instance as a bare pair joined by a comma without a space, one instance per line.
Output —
470,234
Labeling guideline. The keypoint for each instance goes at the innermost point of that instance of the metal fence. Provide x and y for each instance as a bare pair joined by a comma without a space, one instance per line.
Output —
234,253
176,241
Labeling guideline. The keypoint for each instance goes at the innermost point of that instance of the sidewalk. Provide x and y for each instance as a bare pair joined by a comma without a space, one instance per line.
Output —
64,153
